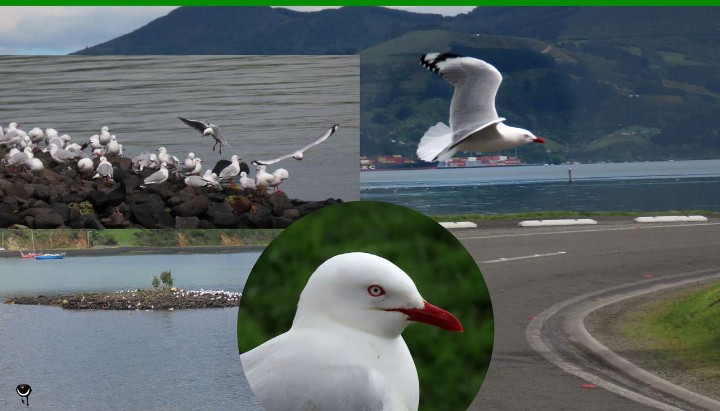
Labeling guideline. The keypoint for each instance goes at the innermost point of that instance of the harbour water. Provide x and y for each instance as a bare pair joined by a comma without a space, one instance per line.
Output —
266,105
122,360
648,186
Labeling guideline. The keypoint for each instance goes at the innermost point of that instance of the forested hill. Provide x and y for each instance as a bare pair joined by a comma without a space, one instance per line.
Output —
600,83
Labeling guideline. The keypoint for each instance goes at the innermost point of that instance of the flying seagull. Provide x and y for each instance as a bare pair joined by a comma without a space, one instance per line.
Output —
474,122
298,154
344,350
207,129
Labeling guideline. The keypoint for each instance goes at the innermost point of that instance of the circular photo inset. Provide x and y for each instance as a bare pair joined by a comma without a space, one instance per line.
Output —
365,306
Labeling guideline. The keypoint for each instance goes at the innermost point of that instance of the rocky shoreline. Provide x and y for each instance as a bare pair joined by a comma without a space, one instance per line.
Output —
59,197
138,300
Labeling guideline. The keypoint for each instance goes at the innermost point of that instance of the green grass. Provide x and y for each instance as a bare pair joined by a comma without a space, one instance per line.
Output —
684,330
568,214
451,366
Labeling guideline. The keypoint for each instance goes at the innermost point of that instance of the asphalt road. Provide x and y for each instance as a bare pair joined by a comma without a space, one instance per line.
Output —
529,270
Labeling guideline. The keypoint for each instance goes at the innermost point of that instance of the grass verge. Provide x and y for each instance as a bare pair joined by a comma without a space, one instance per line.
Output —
683,330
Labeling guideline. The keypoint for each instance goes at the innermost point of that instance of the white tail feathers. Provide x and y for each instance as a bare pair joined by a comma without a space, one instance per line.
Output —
435,143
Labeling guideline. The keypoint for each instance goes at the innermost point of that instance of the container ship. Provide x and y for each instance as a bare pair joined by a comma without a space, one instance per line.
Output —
399,162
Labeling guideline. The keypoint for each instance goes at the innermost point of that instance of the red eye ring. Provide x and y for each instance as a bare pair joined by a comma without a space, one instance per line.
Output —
375,290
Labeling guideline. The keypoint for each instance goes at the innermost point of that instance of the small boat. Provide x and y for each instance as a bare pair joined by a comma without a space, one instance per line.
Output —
28,255
44,256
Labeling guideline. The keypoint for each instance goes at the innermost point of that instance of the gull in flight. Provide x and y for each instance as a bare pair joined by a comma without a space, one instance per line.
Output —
298,154
474,122
208,129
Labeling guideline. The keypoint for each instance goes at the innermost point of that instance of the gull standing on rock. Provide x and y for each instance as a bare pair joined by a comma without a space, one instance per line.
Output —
208,129
61,155
298,154
247,182
344,350
156,177
104,170
113,147
474,122
232,170
104,136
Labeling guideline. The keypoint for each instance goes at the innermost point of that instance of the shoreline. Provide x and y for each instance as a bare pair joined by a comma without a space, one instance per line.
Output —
96,252
167,299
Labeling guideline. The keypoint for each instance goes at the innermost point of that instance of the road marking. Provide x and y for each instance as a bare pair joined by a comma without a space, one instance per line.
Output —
578,332
524,257
583,231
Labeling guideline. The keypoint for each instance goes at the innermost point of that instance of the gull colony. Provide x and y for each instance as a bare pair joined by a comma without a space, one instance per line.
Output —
20,149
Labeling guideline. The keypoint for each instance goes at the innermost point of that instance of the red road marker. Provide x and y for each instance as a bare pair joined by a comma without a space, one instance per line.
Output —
647,276
531,317
589,386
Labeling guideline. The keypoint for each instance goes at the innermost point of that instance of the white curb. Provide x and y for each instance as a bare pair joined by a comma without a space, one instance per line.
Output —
547,223
459,224
670,219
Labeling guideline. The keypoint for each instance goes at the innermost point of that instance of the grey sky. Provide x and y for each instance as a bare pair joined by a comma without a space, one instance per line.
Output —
62,30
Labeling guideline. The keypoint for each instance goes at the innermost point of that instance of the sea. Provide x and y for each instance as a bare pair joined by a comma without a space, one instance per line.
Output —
267,106
640,186
122,360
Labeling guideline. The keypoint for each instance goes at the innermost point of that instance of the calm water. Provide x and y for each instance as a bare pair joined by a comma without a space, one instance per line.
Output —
652,186
129,360
267,106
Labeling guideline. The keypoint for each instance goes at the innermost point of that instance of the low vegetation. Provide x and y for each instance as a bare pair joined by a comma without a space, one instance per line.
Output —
683,330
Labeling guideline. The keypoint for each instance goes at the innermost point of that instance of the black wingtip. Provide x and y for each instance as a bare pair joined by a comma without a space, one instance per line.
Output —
432,64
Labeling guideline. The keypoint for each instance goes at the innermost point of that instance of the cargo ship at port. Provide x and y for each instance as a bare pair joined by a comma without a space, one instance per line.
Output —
399,162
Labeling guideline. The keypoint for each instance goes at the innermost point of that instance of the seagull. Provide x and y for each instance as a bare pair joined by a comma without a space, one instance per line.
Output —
263,179
113,147
212,178
166,158
93,142
104,170
156,177
474,122
61,155
298,154
144,160
247,182
232,170
13,135
104,136
189,163
197,181
86,167
36,135
279,175
344,350
207,129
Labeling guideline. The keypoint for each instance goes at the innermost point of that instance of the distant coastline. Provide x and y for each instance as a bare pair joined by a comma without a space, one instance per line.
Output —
103,251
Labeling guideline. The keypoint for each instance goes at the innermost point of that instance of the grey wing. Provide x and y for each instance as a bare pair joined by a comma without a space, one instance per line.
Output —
217,132
105,169
66,155
317,141
322,138
460,135
199,125
476,84
155,177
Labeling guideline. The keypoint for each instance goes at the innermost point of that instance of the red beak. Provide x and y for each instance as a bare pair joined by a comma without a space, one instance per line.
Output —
540,140
432,315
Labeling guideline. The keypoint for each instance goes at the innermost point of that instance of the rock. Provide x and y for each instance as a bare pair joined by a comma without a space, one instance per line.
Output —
279,222
63,210
205,225
187,222
48,220
192,208
151,215
215,208
178,199
224,220
291,214
279,202
240,204
217,197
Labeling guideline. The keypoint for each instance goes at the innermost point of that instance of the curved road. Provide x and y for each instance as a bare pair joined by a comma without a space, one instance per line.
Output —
529,270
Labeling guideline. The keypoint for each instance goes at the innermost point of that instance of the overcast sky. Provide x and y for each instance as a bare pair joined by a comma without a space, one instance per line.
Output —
62,30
